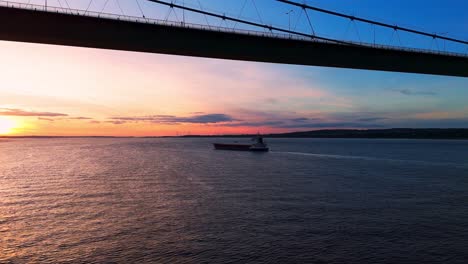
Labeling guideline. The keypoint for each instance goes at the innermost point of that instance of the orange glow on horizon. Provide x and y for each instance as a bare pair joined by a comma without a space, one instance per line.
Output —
7,126
35,127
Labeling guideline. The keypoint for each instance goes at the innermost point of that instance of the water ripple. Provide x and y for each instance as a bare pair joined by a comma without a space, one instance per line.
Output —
179,201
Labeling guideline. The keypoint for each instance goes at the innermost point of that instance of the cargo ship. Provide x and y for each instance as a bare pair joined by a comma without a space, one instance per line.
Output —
259,146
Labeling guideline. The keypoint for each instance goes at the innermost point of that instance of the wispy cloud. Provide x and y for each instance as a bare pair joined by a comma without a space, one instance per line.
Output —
80,118
20,112
252,114
46,119
290,124
407,91
371,119
116,122
291,120
250,118
60,118
300,119
171,119
256,124
333,125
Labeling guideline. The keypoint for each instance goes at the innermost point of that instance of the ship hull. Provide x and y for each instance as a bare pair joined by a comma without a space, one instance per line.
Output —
259,149
239,147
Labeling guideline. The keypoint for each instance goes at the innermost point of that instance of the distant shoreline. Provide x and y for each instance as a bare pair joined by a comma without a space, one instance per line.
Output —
394,133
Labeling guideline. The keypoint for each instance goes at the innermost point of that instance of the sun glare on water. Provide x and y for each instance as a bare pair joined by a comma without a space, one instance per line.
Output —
6,126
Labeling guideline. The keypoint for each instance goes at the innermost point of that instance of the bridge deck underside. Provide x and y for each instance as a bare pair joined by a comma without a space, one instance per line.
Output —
82,31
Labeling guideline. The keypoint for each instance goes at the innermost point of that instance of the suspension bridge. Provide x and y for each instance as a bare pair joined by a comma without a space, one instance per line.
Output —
258,41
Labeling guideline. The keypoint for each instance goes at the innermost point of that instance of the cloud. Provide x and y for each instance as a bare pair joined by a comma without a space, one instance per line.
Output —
117,122
249,114
255,118
171,119
20,112
412,92
94,122
199,119
371,119
332,125
301,123
256,124
79,118
283,120
46,119
300,119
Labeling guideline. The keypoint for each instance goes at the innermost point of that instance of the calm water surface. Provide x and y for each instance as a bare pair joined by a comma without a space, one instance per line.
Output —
179,201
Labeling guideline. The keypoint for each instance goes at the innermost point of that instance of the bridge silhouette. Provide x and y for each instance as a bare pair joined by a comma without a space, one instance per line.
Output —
83,28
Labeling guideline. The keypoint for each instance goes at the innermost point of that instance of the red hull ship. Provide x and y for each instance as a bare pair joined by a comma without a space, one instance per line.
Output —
259,145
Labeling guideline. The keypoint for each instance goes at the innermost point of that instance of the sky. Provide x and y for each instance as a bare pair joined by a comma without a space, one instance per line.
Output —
70,91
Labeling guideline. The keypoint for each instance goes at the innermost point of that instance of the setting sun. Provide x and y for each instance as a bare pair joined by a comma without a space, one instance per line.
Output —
6,125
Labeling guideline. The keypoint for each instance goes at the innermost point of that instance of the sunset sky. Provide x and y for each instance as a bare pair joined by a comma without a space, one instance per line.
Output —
68,91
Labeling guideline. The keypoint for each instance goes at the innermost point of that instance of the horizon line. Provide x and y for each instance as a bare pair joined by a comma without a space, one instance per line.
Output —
222,135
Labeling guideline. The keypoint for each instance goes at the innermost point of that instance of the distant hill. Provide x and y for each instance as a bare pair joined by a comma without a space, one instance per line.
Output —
407,133
432,133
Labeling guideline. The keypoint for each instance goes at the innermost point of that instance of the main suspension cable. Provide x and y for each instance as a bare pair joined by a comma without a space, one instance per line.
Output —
269,27
395,27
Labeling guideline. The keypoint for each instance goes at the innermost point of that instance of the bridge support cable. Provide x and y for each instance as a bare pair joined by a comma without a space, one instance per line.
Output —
373,22
256,9
104,7
240,13
89,5
66,2
242,10
310,23
357,30
206,18
395,33
169,12
373,33
120,7
246,22
139,8
298,19
258,14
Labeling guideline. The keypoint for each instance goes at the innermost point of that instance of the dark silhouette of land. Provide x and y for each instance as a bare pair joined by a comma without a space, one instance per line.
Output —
384,133
404,133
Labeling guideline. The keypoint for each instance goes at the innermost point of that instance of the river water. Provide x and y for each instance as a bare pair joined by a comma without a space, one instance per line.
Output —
104,200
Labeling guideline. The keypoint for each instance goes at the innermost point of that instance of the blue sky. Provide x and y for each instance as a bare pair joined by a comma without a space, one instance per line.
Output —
143,94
